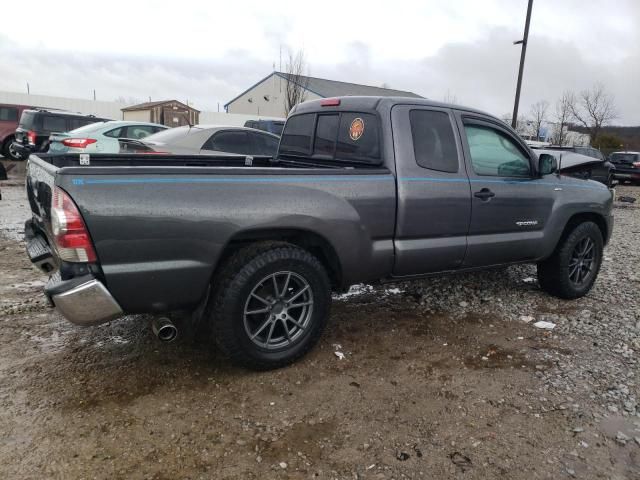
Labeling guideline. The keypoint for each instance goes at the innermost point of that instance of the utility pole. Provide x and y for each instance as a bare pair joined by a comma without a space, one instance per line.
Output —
28,89
523,42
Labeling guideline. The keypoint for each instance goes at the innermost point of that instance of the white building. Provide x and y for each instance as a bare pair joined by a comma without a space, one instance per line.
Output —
267,97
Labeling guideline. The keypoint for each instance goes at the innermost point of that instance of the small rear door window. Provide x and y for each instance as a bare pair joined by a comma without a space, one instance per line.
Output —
434,144
296,138
232,141
115,133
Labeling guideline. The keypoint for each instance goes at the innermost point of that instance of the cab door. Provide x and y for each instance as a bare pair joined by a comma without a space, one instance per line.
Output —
510,203
434,198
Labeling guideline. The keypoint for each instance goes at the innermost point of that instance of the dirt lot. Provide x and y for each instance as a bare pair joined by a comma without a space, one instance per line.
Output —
445,378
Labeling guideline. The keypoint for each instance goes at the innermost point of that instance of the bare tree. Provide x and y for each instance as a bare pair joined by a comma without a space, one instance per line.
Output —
562,115
538,116
450,97
593,109
297,80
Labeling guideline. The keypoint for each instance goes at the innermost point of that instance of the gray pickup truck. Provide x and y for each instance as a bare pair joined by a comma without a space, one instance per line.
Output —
363,189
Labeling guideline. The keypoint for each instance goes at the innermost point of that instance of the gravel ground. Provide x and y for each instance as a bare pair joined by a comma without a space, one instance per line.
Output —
445,378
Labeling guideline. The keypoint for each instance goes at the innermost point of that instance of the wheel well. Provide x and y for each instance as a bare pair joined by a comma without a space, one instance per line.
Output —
310,241
579,218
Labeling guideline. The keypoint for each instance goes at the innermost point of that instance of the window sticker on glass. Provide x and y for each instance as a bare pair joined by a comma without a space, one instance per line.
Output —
356,129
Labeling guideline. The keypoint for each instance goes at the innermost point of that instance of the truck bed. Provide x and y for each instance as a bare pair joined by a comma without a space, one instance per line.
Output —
159,223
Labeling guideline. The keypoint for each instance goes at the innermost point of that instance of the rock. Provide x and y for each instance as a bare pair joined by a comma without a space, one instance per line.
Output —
283,465
402,456
621,438
463,304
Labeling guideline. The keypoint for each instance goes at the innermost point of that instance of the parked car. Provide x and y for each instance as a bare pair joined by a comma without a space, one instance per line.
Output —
627,166
363,189
602,171
101,137
206,139
36,126
271,126
9,116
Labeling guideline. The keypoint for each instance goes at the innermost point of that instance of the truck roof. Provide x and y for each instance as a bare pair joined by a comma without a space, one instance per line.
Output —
373,103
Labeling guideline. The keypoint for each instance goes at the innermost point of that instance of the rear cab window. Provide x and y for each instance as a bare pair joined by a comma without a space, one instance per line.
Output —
624,157
335,136
29,120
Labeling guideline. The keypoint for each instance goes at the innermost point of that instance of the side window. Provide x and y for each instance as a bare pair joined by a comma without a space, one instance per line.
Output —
358,138
267,145
296,138
139,131
8,114
115,133
434,144
326,135
494,153
54,124
229,142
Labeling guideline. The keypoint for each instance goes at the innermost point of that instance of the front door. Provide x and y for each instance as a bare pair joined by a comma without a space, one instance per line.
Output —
510,205
434,199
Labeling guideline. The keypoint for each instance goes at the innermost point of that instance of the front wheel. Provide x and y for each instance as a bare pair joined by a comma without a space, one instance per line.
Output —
271,304
572,269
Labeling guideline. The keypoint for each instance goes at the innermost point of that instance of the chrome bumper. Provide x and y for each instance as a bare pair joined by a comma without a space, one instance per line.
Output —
87,304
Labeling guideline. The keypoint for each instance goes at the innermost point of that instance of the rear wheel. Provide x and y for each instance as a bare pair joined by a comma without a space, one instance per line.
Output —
9,152
572,269
271,304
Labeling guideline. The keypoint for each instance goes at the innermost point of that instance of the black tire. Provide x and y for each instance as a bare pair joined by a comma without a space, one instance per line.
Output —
558,276
231,316
8,153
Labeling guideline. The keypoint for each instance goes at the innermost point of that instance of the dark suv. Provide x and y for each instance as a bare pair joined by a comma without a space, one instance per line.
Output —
271,126
32,134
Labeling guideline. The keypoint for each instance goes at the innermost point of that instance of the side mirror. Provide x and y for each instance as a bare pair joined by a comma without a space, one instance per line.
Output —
547,164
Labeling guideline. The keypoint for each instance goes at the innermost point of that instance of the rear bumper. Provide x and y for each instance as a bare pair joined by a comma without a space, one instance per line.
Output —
627,173
82,300
23,150
88,303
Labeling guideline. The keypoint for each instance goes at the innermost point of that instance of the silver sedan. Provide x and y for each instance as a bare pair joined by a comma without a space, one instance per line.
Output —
206,139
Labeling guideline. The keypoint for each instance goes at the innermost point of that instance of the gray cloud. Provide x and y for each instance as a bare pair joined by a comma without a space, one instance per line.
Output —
480,74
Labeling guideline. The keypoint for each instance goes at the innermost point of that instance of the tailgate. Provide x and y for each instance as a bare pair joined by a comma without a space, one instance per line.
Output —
40,184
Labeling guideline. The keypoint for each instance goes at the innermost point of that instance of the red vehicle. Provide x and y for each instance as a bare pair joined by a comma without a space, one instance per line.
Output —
9,118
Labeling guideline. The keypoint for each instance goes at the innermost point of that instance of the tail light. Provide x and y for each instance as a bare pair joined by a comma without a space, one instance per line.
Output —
31,137
69,230
636,164
78,142
330,102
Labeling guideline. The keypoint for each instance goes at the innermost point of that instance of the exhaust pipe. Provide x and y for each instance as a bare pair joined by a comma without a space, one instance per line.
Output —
164,329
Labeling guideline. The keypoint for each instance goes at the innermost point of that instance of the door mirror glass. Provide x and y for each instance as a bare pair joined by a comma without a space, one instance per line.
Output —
547,164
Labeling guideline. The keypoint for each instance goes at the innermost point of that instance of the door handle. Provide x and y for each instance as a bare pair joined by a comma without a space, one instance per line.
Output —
484,194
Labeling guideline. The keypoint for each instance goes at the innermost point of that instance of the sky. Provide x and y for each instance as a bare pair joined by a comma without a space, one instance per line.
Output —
207,52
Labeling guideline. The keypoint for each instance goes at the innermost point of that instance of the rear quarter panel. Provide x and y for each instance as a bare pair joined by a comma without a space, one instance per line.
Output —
159,237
